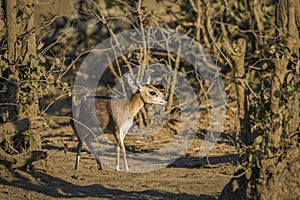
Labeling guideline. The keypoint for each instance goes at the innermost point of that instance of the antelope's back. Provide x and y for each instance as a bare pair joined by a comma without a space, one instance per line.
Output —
100,112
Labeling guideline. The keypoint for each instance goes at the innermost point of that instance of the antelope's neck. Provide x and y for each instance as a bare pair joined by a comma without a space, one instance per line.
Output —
135,104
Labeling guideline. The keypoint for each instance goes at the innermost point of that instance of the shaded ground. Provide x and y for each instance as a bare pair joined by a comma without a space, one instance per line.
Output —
54,177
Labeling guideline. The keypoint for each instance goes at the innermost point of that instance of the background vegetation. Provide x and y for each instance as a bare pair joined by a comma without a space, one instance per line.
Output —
254,43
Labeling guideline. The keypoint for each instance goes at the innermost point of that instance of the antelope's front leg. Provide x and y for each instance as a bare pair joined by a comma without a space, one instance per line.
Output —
117,167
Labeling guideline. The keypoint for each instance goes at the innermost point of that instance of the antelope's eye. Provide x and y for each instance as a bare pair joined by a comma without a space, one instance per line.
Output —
152,93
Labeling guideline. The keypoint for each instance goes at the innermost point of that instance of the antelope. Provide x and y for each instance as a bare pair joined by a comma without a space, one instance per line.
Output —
117,115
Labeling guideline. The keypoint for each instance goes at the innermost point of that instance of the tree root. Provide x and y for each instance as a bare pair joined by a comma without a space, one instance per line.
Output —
20,160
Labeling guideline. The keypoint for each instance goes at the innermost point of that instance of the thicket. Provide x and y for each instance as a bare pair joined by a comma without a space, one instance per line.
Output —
254,43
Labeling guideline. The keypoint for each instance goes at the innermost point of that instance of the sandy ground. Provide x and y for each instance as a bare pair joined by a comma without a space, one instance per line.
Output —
188,178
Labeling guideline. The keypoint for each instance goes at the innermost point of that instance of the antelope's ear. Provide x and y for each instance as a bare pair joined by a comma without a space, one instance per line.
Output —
133,82
147,78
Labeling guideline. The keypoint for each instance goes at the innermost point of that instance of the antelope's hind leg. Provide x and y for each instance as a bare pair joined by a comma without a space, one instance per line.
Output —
79,148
